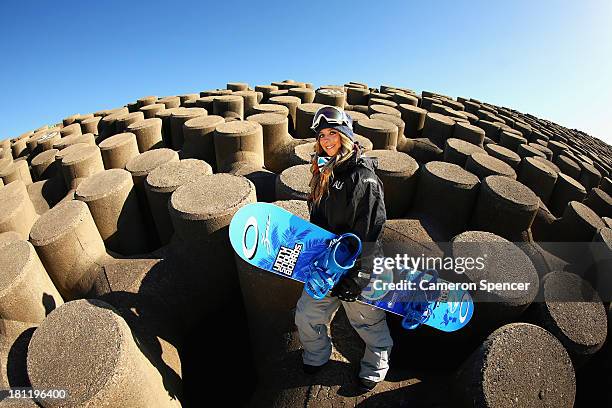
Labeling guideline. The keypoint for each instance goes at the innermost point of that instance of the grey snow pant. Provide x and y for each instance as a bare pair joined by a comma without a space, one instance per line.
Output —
312,317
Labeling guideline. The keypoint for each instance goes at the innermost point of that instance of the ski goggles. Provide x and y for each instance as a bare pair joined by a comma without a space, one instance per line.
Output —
332,115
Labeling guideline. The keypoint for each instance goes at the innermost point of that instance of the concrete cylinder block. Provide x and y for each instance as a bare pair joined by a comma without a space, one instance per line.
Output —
573,312
263,179
277,142
19,148
304,116
524,150
237,86
469,133
279,92
387,110
438,128
69,120
45,194
88,342
539,365
606,185
178,119
385,102
558,148
357,96
405,98
397,121
238,141
330,96
74,129
27,294
44,165
47,141
91,125
291,102
16,170
427,101
293,183
302,154
484,165
567,166
165,116
192,97
306,95
148,134
8,237
414,118
355,116
80,164
141,165
547,152
123,121
202,209
199,138
132,107
170,102
383,134
566,189
162,182
539,177
513,141
271,108
502,262
59,156
458,151
149,111
548,163
70,247
216,92
397,171
229,103
445,195
205,102
249,101
14,340
505,207
600,202
589,175
112,201
265,90
146,100
108,124
288,84
504,154
74,139
117,150
579,223
492,131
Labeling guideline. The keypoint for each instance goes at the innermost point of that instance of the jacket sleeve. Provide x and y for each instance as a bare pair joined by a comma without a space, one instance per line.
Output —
368,222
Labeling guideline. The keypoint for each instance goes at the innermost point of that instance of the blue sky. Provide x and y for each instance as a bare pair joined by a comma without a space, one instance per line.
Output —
549,58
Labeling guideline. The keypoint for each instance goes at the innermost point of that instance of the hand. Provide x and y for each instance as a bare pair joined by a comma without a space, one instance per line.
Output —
346,289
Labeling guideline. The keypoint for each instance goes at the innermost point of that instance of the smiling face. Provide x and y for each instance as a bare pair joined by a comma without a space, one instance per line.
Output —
329,139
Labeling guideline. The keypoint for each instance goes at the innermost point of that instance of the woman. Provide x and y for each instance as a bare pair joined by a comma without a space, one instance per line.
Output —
346,196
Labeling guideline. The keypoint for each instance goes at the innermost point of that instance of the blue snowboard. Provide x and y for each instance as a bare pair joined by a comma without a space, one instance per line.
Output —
271,238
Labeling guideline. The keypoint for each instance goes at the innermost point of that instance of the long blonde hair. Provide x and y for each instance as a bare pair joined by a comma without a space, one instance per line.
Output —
319,183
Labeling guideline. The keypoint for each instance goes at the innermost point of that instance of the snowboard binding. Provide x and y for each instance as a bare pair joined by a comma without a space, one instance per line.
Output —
421,303
328,267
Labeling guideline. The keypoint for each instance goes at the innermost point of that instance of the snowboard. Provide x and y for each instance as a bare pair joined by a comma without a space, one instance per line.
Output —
271,238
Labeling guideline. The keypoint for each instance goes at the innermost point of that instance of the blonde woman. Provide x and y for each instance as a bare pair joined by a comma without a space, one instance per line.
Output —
345,196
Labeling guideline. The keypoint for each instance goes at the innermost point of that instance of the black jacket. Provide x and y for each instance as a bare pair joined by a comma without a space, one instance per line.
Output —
355,203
